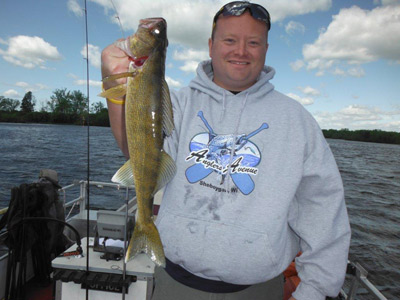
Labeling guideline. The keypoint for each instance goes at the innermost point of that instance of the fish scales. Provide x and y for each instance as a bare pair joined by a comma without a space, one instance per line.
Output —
144,132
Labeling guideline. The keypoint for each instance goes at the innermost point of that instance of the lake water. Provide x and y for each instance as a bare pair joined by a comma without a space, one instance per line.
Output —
370,172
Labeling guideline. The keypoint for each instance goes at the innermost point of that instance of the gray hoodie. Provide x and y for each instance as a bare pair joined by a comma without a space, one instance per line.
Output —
256,183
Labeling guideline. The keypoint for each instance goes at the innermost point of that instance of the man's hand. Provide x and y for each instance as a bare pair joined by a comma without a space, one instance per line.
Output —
113,61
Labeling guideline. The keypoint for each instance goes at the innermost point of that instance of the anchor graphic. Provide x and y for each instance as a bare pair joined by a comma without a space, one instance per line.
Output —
227,151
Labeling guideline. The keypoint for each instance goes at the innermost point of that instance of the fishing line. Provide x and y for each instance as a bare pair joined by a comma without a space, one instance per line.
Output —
88,149
118,18
127,188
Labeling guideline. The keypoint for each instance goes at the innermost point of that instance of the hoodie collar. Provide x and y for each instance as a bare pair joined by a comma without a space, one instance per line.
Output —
204,83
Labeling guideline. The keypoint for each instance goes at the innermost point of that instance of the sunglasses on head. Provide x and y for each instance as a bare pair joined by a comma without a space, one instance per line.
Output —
237,8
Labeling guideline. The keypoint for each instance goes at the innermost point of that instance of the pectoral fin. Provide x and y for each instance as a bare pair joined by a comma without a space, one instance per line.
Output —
114,92
124,175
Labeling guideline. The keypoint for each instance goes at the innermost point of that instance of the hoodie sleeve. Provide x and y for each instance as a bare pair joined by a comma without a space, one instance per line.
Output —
322,223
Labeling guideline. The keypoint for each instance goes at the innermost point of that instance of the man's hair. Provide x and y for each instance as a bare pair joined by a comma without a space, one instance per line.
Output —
215,27
238,8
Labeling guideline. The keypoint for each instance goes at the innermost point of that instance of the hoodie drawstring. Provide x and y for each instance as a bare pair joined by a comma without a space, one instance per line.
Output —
221,118
234,136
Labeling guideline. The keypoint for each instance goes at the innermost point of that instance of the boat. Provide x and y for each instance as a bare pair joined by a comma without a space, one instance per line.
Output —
72,277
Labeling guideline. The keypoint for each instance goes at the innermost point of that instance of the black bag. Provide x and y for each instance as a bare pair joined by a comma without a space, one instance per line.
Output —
43,239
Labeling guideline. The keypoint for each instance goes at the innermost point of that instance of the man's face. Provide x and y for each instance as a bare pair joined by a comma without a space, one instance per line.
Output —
238,51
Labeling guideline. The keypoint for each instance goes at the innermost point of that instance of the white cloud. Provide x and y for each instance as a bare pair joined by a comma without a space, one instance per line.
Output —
83,82
356,36
344,71
294,27
281,9
308,90
31,87
359,117
338,71
302,100
74,6
94,55
22,84
190,54
297,65
41,86
356,72
173,83
11,93
189,66
191,58
189,22
29,52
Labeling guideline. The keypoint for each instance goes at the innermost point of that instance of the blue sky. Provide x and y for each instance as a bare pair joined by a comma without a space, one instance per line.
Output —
340,59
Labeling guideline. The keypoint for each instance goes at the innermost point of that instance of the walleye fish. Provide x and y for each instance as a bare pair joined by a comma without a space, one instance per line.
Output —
149,118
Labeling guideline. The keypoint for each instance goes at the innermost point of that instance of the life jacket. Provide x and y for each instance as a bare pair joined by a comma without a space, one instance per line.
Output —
44,240
292,280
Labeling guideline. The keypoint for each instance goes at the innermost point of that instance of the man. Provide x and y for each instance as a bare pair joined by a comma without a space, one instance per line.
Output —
256,181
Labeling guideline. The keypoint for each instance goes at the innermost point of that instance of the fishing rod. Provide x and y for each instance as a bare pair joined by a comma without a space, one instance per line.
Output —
88,158
127,190
88,148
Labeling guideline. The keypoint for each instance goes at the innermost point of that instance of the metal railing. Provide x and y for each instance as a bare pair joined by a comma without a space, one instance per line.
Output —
360,280
81,200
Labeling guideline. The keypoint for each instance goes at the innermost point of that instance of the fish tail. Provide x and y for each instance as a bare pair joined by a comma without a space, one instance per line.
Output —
146,239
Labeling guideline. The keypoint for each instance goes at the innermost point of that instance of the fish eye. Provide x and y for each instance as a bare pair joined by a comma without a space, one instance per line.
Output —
156,31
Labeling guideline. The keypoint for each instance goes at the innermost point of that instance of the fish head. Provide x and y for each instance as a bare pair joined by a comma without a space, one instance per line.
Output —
150,36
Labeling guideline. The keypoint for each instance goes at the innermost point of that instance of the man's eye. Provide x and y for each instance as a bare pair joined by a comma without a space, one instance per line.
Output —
254,43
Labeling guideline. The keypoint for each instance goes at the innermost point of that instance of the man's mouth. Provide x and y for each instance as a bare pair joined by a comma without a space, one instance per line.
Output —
238,62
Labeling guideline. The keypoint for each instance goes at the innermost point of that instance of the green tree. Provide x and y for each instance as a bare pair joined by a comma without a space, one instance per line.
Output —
78,103
60,102
97,107
28,103
7,104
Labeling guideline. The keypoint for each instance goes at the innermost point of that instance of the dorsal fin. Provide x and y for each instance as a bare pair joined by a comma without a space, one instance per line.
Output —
168,119
167,171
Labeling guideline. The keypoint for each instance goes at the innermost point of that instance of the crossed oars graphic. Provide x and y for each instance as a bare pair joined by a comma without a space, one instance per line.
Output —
219,145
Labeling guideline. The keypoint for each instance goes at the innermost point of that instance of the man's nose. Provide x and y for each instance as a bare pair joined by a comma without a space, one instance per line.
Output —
241,48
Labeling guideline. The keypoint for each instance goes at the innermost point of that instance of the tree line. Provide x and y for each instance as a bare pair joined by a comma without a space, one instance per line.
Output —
70,107
372,136
64,107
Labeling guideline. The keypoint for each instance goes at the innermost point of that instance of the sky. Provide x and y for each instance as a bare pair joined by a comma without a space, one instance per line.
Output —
339,58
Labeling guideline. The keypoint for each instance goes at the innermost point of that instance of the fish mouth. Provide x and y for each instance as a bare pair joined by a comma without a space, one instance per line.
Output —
150,23
157,26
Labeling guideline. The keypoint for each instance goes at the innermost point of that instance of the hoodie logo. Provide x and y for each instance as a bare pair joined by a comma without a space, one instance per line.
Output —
226,154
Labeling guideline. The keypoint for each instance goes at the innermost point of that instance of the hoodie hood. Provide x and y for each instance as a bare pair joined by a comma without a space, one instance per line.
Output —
204,83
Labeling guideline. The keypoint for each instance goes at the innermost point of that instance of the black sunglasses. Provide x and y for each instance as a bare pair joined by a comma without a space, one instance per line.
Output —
237,8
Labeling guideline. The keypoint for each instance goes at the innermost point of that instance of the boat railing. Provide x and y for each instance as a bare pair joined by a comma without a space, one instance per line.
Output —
360,280
81,200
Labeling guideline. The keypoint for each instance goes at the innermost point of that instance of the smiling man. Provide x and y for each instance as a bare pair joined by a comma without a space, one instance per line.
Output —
256,182
238,47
